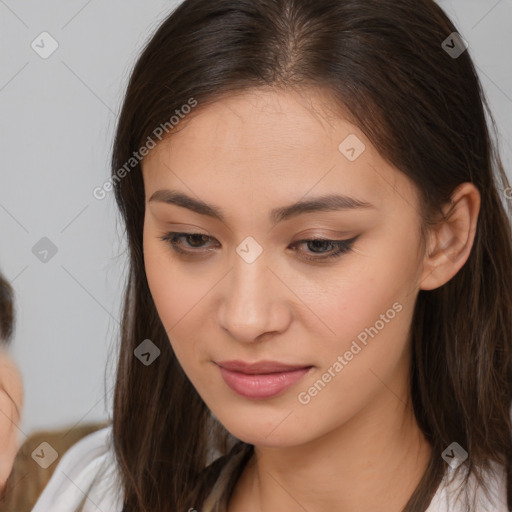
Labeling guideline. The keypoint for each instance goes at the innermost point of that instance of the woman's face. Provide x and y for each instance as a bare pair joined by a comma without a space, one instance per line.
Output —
248,288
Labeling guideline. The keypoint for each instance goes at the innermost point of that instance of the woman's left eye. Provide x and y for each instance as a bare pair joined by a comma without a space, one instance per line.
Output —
197,240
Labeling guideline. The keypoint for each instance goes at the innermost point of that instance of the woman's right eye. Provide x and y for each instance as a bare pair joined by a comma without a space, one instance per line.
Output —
175,240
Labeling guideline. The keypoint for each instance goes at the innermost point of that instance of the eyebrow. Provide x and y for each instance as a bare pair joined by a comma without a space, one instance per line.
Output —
331,202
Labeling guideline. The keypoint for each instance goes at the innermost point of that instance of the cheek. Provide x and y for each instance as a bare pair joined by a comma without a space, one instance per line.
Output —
170,287
356,297
177,291
369,309
368,323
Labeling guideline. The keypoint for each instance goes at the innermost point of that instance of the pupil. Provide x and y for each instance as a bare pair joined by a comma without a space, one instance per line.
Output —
197,238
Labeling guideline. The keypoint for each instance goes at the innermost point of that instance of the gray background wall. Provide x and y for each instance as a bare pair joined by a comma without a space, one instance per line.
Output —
57,117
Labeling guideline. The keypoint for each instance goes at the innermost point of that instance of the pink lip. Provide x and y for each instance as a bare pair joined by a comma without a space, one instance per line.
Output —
260,380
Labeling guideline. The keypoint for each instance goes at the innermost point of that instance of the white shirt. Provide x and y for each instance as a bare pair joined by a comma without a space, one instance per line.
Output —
93,457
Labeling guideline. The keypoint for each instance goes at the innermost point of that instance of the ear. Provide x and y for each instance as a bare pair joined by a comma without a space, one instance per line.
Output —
450,242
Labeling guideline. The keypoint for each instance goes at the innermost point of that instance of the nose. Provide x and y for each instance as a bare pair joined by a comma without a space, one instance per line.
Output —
254,302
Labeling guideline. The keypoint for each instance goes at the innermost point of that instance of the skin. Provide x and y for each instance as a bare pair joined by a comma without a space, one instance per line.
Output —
356,445
11,404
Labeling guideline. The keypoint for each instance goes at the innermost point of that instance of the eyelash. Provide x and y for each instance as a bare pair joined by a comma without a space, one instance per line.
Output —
341,246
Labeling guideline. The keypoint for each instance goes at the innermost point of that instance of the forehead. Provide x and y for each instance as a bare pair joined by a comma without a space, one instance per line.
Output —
262,141
261,118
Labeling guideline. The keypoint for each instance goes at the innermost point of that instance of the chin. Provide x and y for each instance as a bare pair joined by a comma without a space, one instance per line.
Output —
260,432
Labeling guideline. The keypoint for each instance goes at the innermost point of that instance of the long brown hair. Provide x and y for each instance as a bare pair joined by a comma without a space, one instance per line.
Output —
383,64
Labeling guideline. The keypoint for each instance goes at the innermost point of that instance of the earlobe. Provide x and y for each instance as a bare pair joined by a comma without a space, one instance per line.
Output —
450,242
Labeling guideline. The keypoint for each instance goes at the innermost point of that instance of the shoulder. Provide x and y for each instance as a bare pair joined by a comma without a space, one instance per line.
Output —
453,496
87,471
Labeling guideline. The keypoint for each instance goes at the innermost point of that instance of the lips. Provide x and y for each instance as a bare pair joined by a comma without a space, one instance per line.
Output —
261,380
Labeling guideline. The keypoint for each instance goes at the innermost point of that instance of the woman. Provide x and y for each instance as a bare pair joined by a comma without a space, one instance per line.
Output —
11,388
319,306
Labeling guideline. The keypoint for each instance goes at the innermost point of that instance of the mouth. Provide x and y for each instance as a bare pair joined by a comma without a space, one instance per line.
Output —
265,379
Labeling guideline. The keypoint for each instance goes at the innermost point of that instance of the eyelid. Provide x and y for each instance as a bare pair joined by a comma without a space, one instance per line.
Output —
332,235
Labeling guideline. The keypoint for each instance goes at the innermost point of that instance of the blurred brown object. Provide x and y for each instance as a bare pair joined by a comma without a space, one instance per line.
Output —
27,479
6,309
